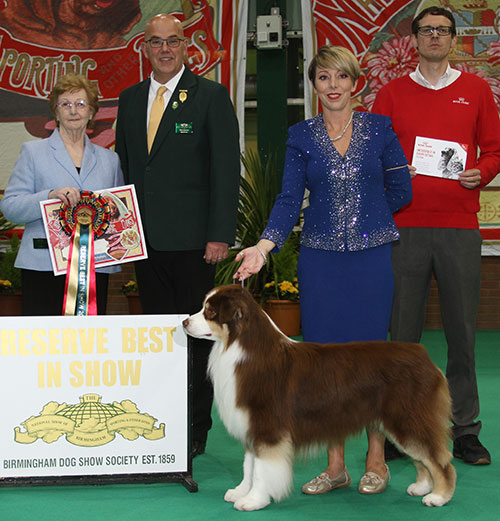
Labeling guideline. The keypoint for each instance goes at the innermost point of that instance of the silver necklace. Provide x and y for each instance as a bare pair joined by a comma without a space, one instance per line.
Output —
341,135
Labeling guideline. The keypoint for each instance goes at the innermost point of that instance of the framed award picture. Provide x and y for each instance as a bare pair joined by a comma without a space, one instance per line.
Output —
122,242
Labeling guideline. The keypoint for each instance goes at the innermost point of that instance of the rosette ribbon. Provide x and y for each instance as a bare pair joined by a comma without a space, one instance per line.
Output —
89,218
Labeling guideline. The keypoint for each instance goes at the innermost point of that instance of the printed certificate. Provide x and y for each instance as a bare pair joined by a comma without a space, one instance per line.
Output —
122,242
439,158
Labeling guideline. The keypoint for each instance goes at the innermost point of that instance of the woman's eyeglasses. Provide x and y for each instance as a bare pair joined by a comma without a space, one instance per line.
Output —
79,104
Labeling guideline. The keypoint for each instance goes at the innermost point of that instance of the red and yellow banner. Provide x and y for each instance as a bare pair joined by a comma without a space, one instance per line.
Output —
40,40
378,33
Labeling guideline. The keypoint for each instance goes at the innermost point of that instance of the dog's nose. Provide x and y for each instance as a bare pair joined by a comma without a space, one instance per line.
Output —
185,322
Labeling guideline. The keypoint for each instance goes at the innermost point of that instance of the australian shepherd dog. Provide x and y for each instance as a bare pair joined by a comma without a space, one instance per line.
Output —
277,395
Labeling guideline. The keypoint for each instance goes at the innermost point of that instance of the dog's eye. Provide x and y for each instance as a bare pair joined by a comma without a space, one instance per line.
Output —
209,313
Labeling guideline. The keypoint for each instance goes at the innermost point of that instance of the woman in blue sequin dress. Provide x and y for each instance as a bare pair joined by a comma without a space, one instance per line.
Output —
357,176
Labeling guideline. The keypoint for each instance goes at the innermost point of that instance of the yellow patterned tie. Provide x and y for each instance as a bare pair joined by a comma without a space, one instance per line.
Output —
155,116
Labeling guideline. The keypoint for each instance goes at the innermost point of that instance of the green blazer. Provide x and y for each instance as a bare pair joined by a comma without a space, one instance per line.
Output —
188,185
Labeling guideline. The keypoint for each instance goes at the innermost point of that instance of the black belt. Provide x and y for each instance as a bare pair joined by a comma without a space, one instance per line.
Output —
40,244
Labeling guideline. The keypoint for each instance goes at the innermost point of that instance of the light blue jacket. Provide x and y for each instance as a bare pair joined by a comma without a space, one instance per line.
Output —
45,165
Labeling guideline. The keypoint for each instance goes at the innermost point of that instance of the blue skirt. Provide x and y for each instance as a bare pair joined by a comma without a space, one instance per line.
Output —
345,296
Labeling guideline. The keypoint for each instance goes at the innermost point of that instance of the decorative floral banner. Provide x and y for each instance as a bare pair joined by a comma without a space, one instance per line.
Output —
379,32
41,40
489,220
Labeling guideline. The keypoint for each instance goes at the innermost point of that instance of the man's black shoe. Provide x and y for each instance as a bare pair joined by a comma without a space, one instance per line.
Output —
391,452
469,449
197,448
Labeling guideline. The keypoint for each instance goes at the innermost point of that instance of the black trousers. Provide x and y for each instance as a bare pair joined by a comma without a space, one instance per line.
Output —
176,282
43,293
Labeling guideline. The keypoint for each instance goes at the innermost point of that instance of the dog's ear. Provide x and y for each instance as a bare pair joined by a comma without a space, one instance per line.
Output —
238,321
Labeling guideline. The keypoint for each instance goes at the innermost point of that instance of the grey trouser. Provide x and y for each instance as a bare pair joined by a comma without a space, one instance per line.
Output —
454,256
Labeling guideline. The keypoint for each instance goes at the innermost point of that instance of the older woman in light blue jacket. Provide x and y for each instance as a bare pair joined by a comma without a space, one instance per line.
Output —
58,167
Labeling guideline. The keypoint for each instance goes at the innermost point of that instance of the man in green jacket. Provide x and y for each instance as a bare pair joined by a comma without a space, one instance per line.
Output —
178,141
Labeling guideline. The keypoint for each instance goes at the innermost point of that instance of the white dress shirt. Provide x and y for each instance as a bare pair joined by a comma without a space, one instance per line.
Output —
171,86
446,79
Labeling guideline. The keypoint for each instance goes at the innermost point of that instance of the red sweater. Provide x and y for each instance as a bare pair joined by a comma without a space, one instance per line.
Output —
464,112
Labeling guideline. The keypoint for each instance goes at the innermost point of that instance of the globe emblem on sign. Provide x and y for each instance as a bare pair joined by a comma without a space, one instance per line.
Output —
90,406
89,423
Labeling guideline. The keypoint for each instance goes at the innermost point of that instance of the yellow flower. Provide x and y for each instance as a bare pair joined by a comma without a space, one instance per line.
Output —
129,287
6,286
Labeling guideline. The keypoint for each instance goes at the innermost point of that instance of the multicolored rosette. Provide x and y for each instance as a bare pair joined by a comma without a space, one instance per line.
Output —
88,218
100,210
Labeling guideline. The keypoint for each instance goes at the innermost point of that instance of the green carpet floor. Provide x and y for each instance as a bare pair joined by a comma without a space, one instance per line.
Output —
477,497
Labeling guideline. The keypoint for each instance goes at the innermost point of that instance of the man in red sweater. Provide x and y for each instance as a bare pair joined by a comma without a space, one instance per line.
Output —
439,229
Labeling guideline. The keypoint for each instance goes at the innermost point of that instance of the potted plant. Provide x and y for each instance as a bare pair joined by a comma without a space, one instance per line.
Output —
258,191
280,295
282,290
10,277
131,291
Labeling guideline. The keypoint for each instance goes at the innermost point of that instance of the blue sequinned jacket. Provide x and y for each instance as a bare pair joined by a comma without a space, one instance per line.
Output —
351,198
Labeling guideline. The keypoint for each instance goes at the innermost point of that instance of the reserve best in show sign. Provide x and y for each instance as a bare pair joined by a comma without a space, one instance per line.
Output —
93,396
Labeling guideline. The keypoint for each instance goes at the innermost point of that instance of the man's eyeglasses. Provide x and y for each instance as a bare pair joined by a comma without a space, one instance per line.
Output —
171,42
79,104
428,30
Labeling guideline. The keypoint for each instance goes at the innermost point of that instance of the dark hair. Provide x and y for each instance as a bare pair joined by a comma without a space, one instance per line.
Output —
435,11
71,82
334,57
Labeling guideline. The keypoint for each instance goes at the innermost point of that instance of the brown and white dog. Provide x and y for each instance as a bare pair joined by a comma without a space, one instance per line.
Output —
277,395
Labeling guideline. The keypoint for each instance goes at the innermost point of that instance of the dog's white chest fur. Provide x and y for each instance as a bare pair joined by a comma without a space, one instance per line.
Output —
221,368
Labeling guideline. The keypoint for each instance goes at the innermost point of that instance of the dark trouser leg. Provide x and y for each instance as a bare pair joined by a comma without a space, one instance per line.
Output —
43,293
457,269
412,265
176,283
454,255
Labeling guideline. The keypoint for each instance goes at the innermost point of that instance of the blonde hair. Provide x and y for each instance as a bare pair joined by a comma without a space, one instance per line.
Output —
69,83
334,57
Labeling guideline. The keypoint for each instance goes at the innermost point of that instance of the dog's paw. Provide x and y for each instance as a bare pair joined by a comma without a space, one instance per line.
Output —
252,502
233,494
434,500
419,489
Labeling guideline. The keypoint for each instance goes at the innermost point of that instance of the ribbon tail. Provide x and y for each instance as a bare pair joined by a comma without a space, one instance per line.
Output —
71,286
80,292
83,276
92,293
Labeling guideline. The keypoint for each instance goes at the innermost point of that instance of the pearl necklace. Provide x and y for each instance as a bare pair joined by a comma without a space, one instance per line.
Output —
341,135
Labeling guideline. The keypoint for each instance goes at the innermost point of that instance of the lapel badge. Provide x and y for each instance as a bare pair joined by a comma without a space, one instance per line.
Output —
183,95
175,105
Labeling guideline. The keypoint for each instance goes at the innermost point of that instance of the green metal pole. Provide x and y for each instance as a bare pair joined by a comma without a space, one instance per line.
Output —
272,123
